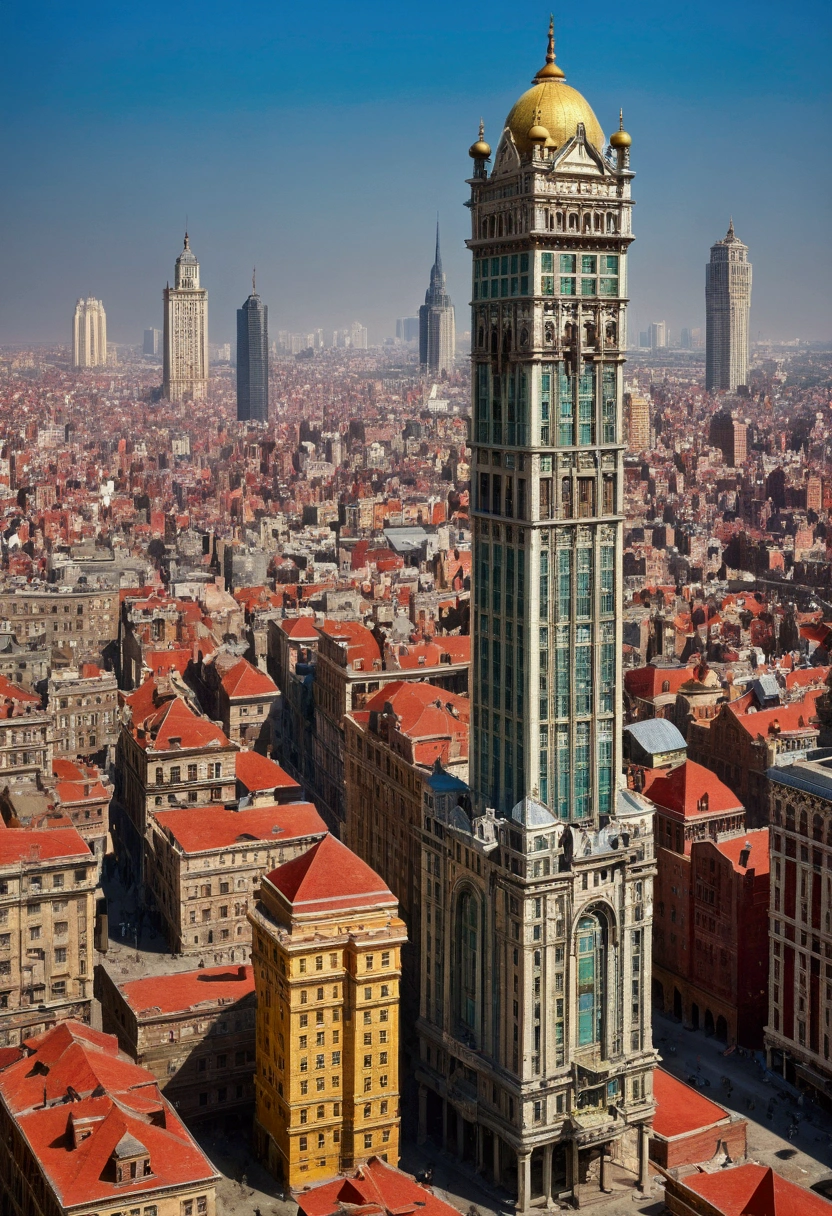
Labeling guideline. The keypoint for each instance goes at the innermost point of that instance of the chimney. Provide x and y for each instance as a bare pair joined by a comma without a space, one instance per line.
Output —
745,854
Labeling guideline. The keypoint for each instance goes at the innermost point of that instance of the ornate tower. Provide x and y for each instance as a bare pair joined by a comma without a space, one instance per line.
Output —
253,359
727,308
535,1022
185,372
437,329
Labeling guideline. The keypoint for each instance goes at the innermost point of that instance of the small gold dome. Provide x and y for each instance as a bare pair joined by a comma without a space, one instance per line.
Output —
538,134
620,138
480,150
554,105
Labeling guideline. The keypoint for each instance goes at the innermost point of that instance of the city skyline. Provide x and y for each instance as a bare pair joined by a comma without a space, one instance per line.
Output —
310,272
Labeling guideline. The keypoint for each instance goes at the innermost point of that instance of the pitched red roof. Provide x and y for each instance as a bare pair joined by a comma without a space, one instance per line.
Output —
680,1109
42,844
300,629
646,682
329,877
375,1188
199,829
794,717
246,680
175,993
175,719
681,790
754,1190
257,772
424,711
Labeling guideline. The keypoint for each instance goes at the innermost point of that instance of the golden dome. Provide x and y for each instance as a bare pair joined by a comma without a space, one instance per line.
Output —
538,134
554,105
620,138
480,150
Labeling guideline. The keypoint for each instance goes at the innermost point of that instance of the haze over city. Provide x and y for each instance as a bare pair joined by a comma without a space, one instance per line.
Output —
320,151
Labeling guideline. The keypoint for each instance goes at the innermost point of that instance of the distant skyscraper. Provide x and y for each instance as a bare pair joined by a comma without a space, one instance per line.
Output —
637,415
152,342
658,335
407,329
185,332
89,334
253,359
731,437
437,328
358,336
727,305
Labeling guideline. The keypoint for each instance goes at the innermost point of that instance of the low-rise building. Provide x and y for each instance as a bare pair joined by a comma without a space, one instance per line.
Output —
86,1130
193,1030
47,905
325,948
689,1129
205,864
744,1189
84,706
25,733
261,782
378,1189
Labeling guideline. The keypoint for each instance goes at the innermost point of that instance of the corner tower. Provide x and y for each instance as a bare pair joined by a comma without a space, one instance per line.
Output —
535,1024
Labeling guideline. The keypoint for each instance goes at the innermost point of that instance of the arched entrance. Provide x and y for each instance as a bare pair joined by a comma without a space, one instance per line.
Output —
677,1004
721,1029
709,1022
694,1016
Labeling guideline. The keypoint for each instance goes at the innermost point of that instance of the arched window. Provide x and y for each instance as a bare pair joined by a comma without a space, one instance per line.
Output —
610,223
590,981
599,222
468,960
560,221
573,222
665,685
804,824
587,223
817,828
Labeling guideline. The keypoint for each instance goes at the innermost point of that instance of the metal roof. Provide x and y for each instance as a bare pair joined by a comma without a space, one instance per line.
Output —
657,735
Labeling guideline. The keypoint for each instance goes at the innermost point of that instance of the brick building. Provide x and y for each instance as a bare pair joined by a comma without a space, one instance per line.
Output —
193,1030
205,863
325,949
240,696
799,1024
689,1129
85,1130
47,906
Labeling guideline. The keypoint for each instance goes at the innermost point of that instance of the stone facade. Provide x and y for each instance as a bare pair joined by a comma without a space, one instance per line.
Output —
185,332
727,309
84,705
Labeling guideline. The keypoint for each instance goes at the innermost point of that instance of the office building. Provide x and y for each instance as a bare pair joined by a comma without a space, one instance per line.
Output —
536,1055
437,328
358,336
326,941
253,359
727,308
185,374
89,334
730,437
658,335
152,344
637,418
407,329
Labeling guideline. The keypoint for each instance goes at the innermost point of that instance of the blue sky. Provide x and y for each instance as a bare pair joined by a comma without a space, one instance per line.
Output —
318,142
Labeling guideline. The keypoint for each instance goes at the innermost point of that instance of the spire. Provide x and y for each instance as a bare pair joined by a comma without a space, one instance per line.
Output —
550,50
186,245
621,119
254,281
438,260
550,70
731,234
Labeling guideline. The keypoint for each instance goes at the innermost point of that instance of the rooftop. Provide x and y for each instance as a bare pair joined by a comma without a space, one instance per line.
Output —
203,829
187,989
328,878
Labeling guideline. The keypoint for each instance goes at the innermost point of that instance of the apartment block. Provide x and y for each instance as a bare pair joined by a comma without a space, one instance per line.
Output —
84,706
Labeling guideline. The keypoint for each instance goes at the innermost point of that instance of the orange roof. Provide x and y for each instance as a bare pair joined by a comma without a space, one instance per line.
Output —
258,772
360,642
647,682
42,844
86,1082
374,1188
795,716
423,710
681,790
807,677
172,993
200,829
680,1110
300,629
161,662
328,878
246,680
758,858
11,692
754,1190
172,719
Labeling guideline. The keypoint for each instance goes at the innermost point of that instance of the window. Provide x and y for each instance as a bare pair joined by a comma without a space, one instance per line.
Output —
368,1139
590,981
302,1144
57,880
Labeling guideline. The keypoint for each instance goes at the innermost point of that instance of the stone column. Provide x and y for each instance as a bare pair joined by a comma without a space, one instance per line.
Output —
480,1147
644,1157
547,1174
497,1169
422,1133
603,1179
524,1181
574,1167
460,1134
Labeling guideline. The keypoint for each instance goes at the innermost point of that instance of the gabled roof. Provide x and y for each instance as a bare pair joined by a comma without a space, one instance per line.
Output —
682,789
256,772
424,711
376,1188
754,1190
300,629
784,719
328,878
246,680
176,720
647,682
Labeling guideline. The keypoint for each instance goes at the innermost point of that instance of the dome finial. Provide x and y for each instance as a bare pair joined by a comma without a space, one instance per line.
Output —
620,139
621,119
550,70
480,150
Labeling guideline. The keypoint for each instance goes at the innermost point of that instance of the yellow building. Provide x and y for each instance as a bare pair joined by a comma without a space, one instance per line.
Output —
326,942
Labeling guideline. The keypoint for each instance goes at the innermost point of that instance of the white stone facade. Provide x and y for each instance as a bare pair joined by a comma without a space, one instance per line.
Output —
185,332
89,334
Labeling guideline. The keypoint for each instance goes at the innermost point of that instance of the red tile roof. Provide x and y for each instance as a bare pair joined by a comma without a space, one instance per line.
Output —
174,993
300,629
794,717
199,829
424,711
758,859
257,772
246,680
754,1190
646,682
72,1076
682,788
680,1109
328,878
173,718
375,1188
42,844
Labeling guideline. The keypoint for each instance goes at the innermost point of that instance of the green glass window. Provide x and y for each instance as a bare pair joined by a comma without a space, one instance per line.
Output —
547,263
503,287
568,263
524,284
514,263
545,402
607,667
609,263
562,673
544,586
583,669
604,772
589,287
567,287
586,408
547,285
609,287
566,417
509,581
521,593
608,404
495,288
583,602
589,263
590,981
524,262
504,265
607,584
563,762
497,581
467,970
495,266
496,663
515,285
564,584
582,785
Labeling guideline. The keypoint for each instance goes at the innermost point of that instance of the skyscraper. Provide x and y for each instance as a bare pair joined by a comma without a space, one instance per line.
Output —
727,306
253,359
185,364
89,334
152,344
437,329
536,1054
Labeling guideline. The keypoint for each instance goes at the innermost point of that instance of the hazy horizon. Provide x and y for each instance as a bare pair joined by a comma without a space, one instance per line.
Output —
322,155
